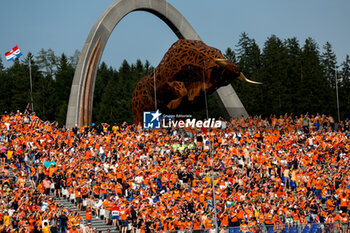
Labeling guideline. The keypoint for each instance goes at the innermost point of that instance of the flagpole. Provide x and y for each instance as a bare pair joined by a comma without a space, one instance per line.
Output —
205,95
336,87
155,90
31,85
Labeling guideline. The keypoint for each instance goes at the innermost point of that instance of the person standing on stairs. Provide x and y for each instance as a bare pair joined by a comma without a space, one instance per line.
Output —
88,229
78,198
57,179
88,215
63,219
46,184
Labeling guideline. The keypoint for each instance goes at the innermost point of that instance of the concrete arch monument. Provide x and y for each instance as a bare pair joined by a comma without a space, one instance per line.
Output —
81,98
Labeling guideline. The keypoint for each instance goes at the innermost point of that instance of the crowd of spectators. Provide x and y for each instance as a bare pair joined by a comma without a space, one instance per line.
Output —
267,172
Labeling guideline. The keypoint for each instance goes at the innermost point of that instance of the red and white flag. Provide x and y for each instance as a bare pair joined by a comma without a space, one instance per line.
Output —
15,52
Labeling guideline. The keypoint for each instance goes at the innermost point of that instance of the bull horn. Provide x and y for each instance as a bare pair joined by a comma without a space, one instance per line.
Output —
221,62
243,78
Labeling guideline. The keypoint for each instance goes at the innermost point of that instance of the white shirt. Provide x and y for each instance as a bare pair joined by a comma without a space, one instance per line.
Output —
7,125
98,203
101,150
206,145
44,221
44,206
138,179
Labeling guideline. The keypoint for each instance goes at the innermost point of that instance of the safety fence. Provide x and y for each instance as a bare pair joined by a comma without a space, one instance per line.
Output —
336,227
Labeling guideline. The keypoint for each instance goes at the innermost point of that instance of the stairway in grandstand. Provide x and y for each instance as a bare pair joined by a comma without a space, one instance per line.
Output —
99,224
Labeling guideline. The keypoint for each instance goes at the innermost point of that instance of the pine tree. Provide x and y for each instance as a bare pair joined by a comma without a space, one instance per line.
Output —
111,109
73,60
1,66
344,88
63,77
124,74
46,104
248,60
63,82
148,68
329,61
5,91
230,54
292,81
274,76
19,89
104,74
43,90
47,62
315,89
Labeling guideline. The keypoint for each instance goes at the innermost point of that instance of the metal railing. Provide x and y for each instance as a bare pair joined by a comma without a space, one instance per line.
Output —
336,227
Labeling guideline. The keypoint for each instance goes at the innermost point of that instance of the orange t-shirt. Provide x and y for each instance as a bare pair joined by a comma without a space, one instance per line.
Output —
88,215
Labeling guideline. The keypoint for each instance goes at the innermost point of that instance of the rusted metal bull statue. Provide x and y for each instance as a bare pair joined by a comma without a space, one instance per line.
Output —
188,68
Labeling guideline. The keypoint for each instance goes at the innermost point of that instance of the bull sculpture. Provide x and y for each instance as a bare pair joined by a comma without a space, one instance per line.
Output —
188,68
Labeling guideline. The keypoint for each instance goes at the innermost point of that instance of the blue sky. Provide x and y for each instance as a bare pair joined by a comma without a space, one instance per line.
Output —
65,24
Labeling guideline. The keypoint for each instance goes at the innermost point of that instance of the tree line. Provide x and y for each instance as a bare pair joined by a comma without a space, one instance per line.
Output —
296,79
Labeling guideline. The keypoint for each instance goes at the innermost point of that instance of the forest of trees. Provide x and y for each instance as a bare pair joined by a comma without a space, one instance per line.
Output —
297,78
